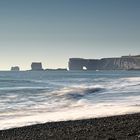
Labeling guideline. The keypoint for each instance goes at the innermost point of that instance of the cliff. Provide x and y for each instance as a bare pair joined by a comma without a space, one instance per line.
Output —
120,63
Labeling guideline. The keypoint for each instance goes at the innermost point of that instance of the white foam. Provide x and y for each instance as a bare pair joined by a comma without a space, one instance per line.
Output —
79,112
134,79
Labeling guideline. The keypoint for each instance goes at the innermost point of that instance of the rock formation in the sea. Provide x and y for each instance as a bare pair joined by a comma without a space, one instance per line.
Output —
58,69
120,63
15,68
36,66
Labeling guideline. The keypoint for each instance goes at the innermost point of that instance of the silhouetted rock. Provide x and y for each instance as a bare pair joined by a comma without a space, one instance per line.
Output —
16,68
120,63
59,69
36,66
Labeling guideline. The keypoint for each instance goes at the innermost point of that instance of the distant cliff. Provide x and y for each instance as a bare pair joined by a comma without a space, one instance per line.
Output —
36,66
120,63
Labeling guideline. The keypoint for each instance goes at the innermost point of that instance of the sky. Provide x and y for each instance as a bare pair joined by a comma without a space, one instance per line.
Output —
52,31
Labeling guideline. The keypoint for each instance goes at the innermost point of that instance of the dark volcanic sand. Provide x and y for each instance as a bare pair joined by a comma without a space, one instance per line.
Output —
125,127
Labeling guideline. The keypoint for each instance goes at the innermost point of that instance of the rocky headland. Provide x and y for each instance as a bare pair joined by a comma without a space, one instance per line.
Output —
120,63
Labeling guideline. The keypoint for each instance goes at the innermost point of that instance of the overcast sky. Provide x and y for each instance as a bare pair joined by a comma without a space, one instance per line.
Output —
52,31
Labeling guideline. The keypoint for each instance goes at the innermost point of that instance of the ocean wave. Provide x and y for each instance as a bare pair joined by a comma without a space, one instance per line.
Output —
76,92
122,84
88,111
15,81
22,88
134,79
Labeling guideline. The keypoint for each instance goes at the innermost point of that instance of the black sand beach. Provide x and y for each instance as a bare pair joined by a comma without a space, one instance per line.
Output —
123,127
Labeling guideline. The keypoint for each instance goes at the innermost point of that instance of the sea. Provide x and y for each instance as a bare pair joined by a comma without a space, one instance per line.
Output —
32,97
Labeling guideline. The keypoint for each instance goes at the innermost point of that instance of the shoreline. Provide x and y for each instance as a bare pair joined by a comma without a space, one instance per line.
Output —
106,128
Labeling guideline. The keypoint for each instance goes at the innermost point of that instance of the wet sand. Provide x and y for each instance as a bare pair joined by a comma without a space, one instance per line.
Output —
123,127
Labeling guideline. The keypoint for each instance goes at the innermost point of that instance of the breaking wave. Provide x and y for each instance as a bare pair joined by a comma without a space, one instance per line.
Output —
76,92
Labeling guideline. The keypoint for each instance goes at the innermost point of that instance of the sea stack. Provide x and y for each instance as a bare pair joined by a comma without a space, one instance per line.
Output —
15,68
36,66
